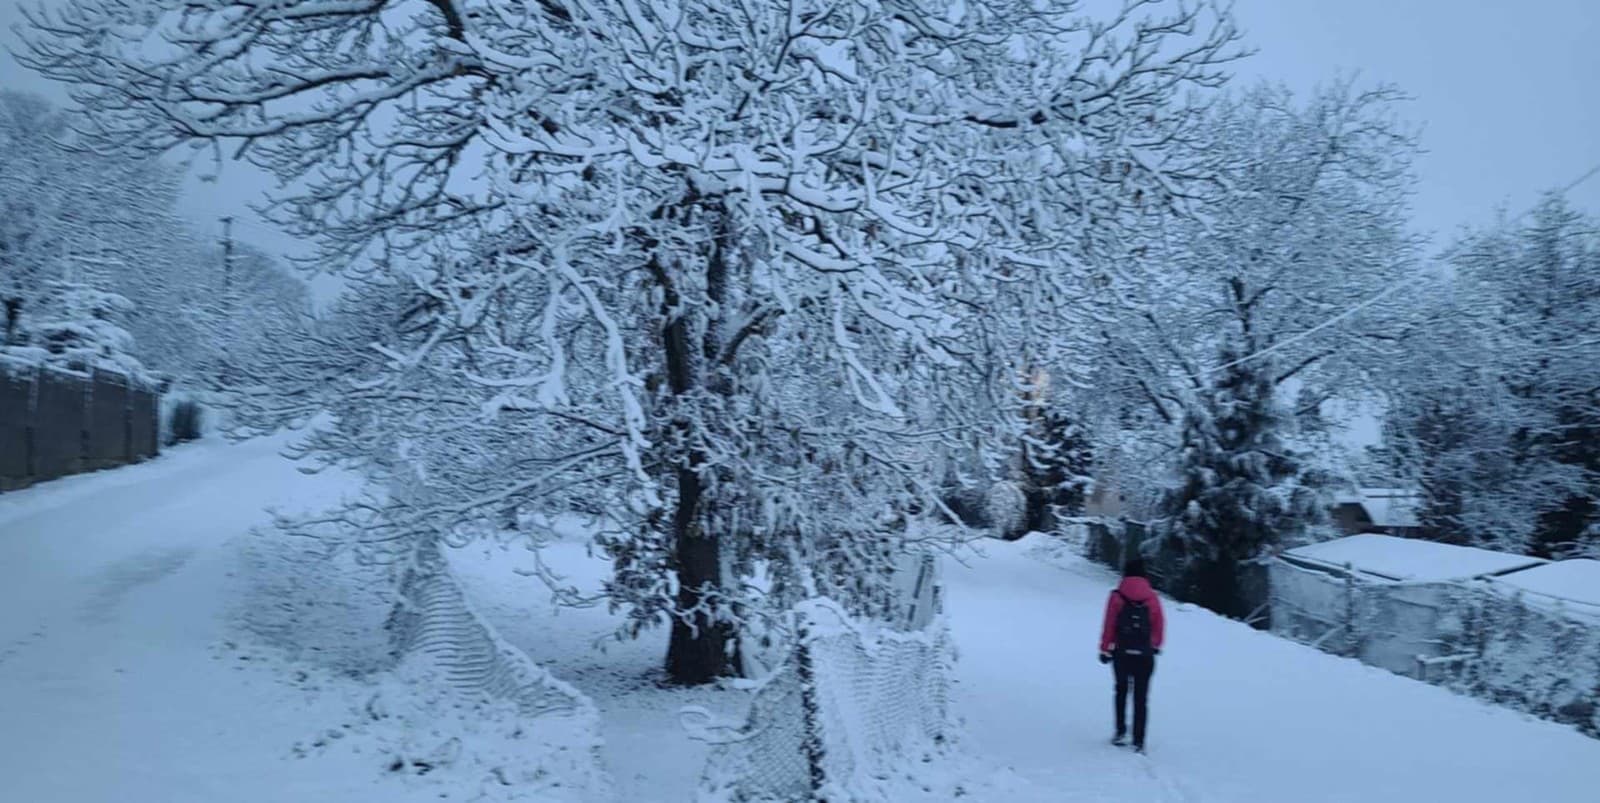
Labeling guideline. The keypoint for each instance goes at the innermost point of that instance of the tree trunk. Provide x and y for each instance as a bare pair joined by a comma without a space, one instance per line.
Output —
698,650
703,643
13,318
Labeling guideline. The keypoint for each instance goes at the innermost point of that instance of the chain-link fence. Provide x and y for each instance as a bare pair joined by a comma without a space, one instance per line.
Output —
55,422
437,632
1464,634
853,706
1387,624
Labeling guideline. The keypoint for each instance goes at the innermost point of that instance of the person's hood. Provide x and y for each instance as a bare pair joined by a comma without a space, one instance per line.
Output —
1137,589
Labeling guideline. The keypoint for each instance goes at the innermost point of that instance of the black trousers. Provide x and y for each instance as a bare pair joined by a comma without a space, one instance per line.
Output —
1135,671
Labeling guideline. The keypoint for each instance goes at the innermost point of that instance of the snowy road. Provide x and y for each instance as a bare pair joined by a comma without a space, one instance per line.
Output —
120,679
1236,715
72,550
119,676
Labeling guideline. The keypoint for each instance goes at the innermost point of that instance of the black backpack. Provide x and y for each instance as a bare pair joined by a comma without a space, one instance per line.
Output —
1133,625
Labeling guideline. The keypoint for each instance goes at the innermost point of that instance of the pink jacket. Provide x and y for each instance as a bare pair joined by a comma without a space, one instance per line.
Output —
1134,588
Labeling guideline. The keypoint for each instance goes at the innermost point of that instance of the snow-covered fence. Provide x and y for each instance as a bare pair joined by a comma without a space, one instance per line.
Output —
441,644
1388,624
1464,634
1535,657
55,422
437,633
852,712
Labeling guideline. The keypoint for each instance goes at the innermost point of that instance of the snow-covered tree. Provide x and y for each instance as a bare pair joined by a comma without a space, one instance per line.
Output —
1240,487
81,328
712,270
1276,297
1057,462
29,201
77,225
1494,413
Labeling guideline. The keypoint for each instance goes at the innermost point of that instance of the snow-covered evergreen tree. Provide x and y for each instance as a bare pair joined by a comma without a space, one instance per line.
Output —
1240,492
1057,461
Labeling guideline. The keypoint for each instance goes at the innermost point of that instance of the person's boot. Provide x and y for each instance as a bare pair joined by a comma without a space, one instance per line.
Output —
1120,739
1138,748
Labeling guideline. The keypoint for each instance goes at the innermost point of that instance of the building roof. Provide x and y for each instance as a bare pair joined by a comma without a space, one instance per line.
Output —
1385,507
1393,559
1574,584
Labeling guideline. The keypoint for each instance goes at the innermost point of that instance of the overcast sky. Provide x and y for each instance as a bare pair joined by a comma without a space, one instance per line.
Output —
1508,95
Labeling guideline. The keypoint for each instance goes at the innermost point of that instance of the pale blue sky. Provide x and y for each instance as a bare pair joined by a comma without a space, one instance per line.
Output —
1508,95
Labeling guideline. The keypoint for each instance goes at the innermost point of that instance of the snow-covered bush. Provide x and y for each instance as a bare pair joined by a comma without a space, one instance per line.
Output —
1007,508
80,328
183,421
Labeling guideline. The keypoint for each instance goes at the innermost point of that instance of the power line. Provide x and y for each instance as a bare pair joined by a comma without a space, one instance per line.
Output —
1313,330
1585,177
1364,304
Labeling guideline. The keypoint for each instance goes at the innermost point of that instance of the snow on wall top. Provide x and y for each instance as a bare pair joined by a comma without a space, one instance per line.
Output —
1575,582
1386,557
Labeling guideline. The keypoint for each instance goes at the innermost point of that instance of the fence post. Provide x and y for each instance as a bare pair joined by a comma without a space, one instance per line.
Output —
86,425
127,419
1352,643
812,738
32,435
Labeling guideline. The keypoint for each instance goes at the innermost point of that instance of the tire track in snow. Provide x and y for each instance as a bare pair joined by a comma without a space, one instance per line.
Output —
116,582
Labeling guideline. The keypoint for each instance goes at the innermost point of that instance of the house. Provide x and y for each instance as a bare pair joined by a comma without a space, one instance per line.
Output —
1388,511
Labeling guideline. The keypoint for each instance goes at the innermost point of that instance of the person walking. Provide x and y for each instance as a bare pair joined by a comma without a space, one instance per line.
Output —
1130,640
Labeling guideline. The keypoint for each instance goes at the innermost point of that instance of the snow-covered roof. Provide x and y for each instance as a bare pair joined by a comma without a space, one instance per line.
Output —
1574,583
1386,507
1387,557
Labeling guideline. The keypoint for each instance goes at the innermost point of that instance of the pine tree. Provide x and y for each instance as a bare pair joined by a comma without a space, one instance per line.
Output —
1057,465
1239,493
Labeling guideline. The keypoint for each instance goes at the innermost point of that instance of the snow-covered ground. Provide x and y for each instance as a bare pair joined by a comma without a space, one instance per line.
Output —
1236,714
647,750
129,673
153,650
119,676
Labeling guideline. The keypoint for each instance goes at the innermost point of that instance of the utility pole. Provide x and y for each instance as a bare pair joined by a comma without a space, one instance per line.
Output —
225,330
227,255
